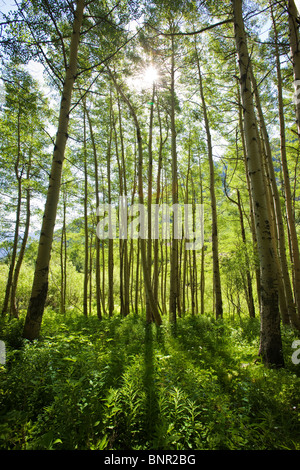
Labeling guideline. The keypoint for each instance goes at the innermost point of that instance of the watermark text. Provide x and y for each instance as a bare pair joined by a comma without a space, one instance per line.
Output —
160,222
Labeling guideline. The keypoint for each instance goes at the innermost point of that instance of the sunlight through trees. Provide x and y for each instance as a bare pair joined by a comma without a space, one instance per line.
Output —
150,115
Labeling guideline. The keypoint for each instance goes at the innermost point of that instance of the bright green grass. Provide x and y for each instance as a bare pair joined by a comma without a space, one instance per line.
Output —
119,384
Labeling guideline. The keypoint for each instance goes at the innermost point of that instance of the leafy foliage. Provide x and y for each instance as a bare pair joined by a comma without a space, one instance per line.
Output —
123,384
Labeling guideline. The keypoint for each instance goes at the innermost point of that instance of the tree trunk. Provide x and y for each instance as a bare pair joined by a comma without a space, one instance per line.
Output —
18,174
13,306
215,242
63,259
91,256
143,253
184,292
122,239
174,281
252,222
157,201
250,301
86,229
295,50
40,283
270,334
136,298
147,280
248,284
283,304
149,317
125,271
97,241
110,240
202,269
295,55
288,310
193,265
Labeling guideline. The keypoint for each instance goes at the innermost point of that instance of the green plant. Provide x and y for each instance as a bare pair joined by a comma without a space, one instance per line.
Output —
122,384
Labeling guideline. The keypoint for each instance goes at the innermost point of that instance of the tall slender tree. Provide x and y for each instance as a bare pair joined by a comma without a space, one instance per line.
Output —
21,139
215,237
174,273
270,335
142,242
85,209
295,53
40,283
286,297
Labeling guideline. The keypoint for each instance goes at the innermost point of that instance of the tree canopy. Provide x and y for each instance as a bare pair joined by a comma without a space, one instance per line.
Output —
152,170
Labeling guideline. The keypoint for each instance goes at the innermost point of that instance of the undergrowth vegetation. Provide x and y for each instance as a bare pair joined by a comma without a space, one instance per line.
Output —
122,384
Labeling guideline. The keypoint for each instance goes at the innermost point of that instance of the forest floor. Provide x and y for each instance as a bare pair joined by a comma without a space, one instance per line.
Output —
122,384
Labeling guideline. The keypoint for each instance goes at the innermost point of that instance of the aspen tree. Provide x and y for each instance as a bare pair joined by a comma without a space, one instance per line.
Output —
142,242
250,300
63,255
162,142
122,239
85,208
295,52
125,271
150,185
40,282
215,242
110,241
18,174
287,301
270,334
184,294
202,268
174,278
21,119
97,241
248,286
13,306
252,222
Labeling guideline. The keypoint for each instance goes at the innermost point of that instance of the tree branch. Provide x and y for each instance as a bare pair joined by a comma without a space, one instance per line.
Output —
190,33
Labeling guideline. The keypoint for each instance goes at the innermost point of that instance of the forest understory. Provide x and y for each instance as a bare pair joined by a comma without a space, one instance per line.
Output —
149,225
123,384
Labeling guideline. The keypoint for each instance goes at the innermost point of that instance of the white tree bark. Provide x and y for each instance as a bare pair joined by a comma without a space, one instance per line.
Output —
40,283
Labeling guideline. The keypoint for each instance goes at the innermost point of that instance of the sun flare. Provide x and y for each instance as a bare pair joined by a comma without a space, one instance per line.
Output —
150,75
144,79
